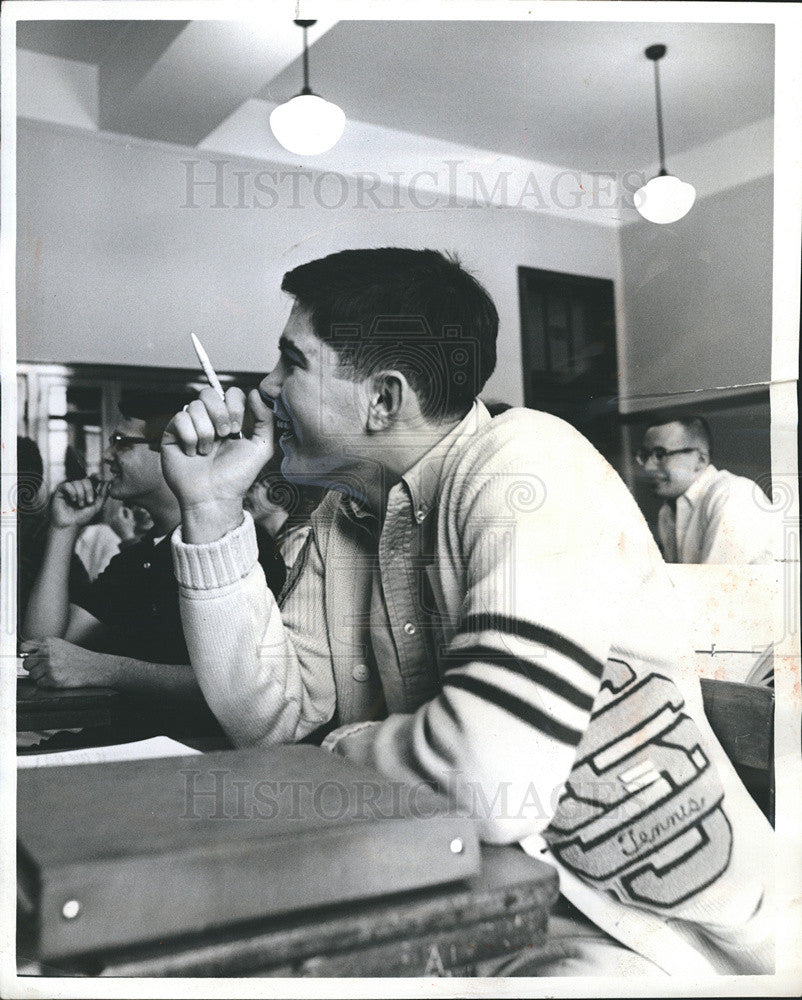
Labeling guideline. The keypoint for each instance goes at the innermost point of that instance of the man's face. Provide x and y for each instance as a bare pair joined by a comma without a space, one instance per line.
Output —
135,471
672,476
320,415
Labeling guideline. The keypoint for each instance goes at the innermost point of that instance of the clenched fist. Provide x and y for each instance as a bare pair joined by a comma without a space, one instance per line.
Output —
75,503
209,467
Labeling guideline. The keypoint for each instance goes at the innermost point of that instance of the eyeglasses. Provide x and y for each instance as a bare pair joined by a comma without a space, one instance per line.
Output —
642,455
119,442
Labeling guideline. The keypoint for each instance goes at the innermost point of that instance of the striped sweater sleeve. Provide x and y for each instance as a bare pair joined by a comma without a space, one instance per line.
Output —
544,585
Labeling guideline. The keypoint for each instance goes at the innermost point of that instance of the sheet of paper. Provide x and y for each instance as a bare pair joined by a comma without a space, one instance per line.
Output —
158,746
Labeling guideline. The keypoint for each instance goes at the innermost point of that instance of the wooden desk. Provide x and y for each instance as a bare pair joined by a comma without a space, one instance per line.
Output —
742,718
104,716
432,932
65,708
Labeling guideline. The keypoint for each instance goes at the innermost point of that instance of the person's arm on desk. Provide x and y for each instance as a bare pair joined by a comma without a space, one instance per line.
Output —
49,612
56,663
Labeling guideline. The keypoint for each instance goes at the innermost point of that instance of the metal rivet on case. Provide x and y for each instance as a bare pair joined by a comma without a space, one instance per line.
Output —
71,909
457,846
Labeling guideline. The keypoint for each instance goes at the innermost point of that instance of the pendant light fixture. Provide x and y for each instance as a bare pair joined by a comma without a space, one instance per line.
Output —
307,124
665,198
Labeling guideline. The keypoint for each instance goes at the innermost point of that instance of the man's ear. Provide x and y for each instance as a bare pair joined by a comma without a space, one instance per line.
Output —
387,396
704,459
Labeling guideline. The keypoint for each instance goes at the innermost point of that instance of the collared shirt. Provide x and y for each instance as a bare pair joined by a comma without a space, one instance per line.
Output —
721,518
549,694
136,598
405,634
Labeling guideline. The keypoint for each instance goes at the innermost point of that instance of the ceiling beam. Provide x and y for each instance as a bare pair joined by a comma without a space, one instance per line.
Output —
178,81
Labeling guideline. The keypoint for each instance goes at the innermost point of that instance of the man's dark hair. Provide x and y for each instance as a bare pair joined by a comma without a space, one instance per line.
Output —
698,429
29,459
157,409
30,476
417,311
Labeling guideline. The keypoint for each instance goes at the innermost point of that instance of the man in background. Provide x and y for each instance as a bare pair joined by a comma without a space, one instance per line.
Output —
123,629
100,541
32,526
281,511
709,514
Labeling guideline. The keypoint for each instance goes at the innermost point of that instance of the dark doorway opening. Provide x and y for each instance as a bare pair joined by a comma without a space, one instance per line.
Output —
570,362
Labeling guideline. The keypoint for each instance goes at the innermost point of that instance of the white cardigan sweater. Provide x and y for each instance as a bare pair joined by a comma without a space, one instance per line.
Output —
559,707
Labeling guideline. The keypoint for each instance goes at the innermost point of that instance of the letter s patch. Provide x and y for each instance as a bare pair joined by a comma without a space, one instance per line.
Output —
641,815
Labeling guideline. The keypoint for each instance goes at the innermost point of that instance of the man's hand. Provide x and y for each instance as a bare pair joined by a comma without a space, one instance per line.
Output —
207,468
75,503
57,663
123,523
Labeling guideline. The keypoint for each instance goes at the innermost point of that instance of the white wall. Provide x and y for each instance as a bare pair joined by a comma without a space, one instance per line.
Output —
114,268
697,297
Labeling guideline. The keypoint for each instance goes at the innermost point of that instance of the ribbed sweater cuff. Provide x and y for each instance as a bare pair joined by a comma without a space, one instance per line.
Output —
215,564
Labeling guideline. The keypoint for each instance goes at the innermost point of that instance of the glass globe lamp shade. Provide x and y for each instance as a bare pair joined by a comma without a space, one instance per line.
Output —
665,199
307,124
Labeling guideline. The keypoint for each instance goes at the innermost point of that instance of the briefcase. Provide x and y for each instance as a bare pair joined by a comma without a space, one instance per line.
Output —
115,854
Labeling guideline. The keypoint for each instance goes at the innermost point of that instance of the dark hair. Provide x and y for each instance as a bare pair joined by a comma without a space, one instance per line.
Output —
30,476
696,427
157,409
29,459
417,311
699,430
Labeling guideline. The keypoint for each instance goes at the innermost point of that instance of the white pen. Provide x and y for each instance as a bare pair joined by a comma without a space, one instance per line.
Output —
206,365
210,373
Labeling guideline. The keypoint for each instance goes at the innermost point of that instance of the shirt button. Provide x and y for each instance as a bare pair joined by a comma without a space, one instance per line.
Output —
410,629
146,565
420,513
360,672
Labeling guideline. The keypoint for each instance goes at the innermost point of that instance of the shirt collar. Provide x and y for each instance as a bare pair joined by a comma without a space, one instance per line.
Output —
694,493
423,479
356,508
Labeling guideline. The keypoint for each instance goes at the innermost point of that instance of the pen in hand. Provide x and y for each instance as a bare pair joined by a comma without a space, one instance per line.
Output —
209,372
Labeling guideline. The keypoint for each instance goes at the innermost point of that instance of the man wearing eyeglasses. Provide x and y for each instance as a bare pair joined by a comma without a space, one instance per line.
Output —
124,629
709,515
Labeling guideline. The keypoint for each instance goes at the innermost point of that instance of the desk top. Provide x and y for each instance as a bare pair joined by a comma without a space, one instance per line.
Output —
105,715
29,693
41,708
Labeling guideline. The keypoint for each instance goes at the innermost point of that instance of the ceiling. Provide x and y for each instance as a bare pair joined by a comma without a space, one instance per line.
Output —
86,41
577,94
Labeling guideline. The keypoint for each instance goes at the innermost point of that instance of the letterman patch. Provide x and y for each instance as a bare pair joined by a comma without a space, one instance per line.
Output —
641,815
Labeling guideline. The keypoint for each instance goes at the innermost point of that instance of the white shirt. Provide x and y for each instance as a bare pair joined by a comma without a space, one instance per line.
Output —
721,518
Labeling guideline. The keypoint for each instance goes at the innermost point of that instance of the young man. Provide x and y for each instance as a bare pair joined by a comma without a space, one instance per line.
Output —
479,606
710,515
123,629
